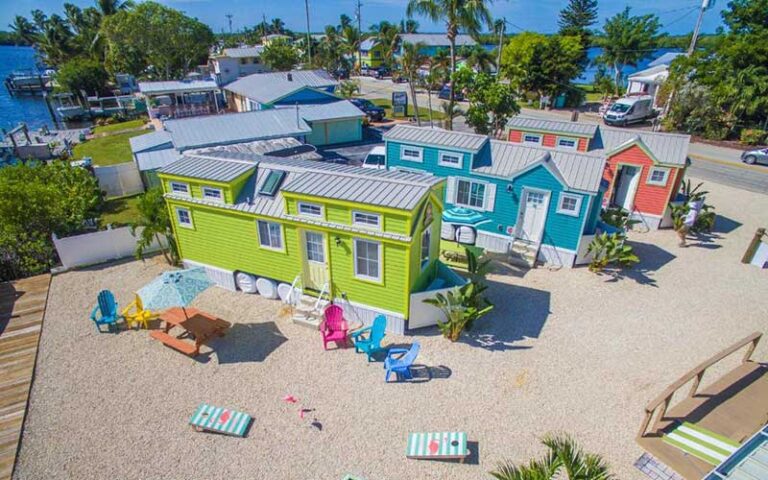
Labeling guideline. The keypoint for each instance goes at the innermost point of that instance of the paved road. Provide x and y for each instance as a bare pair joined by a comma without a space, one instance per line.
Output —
710,163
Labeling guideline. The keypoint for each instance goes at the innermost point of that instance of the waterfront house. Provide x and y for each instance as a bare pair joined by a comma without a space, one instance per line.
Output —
181,98
366,239
433,42
507,198
234,63
262,91
643,170
371,53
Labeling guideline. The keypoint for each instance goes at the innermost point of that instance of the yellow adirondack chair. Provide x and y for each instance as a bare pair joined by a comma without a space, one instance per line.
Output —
139,315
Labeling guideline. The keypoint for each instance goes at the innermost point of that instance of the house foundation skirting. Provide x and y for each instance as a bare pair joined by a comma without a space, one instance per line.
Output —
648,220
556,256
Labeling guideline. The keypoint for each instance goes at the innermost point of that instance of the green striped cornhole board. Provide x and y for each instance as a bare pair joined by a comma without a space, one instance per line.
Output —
701,443
221,420
437,445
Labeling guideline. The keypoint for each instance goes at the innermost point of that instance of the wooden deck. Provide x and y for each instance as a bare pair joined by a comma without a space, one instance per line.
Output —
22,307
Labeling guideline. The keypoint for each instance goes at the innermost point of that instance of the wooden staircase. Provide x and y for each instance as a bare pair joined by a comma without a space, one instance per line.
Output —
522,254
308,308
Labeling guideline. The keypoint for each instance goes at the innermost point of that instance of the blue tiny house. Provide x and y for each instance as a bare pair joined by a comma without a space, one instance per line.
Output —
518,200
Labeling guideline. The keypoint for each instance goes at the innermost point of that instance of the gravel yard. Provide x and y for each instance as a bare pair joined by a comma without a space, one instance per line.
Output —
563,351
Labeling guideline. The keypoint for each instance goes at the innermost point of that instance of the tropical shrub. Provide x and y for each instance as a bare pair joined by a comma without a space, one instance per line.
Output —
618,217
155,222
610,250
753,136
348,89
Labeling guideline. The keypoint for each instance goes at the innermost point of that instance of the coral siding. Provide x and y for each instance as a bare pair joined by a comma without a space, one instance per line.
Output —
549,140
649,199
515,136
583,144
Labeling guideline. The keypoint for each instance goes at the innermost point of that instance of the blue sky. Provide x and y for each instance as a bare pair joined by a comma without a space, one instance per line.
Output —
678,16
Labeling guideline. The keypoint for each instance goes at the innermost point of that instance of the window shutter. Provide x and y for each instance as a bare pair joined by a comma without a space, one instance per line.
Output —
490,197
450,190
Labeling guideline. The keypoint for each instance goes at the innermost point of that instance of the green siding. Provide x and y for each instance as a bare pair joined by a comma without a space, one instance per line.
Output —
196,188
342,214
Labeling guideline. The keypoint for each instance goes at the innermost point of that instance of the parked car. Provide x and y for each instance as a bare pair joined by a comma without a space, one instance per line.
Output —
341,74
381,72
445,94
398,78
759,155
629,110
373,112
376,158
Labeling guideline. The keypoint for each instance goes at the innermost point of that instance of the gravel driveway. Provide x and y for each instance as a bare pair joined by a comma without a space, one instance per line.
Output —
563,351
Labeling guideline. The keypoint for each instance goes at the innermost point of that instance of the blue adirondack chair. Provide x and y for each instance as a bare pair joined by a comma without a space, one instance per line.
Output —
368,340
401,365
108,312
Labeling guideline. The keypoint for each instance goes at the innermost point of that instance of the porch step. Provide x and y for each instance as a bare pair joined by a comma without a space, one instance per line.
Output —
305,313
308,321
522,254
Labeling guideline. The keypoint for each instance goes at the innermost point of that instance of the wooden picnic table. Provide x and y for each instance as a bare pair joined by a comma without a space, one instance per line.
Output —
201,326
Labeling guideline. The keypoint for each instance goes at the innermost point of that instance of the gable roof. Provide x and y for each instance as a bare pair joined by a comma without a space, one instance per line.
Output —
665,59
244,52
330,111
665,148
436,137
150,141
554,126
208,168
154,159
436,39
270,87
368,43
177,86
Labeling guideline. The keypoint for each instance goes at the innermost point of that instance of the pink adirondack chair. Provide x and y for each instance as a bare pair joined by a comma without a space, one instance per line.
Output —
334,327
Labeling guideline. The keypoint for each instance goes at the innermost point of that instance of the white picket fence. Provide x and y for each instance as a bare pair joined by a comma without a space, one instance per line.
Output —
120,179
97,247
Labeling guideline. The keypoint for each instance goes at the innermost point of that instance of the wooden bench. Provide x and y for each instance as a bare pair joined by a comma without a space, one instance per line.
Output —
173,342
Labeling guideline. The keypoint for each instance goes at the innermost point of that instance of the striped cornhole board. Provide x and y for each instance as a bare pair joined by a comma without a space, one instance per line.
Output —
437,445
221,420
701,443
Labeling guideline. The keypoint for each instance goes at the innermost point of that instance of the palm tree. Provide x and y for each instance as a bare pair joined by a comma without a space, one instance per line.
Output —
459,15
388,35
409,26
450,111
478,58
410,62
24,29
277,26
565,460
111,7
56,40
352,38
155,225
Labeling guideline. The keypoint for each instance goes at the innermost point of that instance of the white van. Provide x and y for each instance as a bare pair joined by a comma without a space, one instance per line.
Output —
629,110
376,158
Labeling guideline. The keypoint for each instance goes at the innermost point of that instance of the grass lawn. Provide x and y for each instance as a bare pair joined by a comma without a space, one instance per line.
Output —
116,127
591,95
120,211
107,150
423,111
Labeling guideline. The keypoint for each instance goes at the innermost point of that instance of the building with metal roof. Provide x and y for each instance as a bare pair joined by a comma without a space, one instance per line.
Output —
167,87
436,136
181,98
266,90
436,39
244,52
150,141
234,63
531,124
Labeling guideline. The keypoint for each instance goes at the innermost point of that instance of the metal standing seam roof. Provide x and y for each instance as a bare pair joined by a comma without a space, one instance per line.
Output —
244,52
155,159
149,141
436,39
368,43
230,128
668,148
330,111
177,86
207,168
436,137
269,87
555,126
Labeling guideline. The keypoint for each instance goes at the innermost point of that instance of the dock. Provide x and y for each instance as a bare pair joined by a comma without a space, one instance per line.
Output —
22,308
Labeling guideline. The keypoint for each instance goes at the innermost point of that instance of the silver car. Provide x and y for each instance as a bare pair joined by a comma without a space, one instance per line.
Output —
755,156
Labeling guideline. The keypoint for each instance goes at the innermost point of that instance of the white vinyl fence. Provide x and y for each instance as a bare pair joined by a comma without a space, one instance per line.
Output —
120,179
97,247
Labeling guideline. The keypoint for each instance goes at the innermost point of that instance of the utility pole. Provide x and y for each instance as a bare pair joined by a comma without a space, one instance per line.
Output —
359,32
229,18
309,37
705,4
502,29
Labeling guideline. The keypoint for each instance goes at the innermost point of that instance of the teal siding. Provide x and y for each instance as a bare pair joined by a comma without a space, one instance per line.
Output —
594,214
333,132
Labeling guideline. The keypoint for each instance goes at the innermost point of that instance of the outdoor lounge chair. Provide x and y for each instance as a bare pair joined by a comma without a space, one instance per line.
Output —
220,420
371,343
106,307
437,446
701,443
135,313
334,327
401,365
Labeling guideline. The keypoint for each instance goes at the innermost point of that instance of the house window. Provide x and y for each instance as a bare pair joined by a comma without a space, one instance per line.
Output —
180,188
310,209
658,176
368,220
367,259
449,159
532,138
411,154
210,193
567,143
569,204
315,247
184,217
470,194
426,241
270,235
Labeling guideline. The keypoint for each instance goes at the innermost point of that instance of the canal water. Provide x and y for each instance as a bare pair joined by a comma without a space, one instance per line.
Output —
22,108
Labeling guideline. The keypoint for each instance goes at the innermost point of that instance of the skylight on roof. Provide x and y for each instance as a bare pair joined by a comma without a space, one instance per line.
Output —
272,183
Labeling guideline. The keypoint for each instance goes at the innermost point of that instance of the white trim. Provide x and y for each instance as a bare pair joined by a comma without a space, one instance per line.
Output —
523,206
191,223
564,147
270,247
219,199
306,214
379,260
366,225
556,256
539,136
650,181
180,184
583,223
455,199
443,153
422,263
571,213
405,158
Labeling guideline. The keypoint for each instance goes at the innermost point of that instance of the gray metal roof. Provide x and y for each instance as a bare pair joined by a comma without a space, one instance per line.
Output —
368,43
208,168
150,141
177,86
244,52
231,128
269,87
330,111
668,148
436,39
156,159
579,171
555,126
266,147
436,136
665,59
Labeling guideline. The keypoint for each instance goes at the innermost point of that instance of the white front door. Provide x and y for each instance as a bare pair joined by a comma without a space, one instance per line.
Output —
533,215
315,262
628,178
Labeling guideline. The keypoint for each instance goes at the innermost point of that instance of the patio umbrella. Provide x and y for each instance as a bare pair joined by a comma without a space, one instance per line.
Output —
174,289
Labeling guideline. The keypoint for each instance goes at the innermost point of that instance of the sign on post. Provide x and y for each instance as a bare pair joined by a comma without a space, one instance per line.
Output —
400,104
